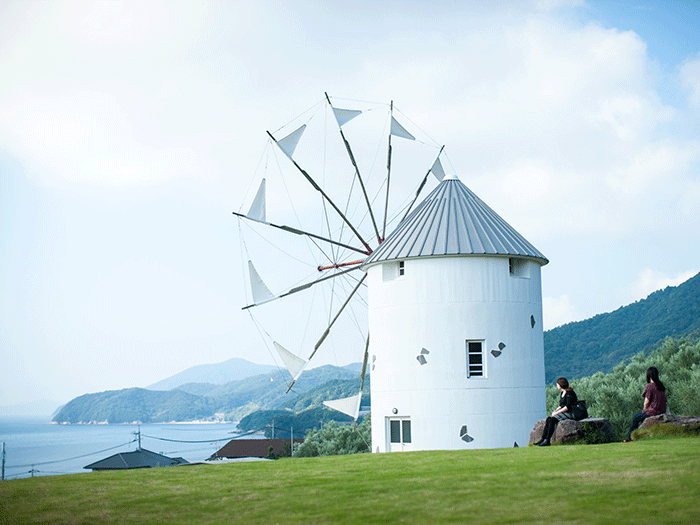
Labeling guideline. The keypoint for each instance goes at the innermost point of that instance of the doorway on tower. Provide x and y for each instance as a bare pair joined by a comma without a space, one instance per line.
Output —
398,433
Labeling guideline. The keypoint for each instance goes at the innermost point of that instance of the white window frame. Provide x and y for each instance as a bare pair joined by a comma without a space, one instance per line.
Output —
518,268
393,270
405,432
473,369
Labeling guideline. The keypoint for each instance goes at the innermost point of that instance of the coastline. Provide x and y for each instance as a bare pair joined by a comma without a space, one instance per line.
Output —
37,447
195,422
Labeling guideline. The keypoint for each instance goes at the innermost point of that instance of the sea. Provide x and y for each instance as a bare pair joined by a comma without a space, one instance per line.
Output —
35,447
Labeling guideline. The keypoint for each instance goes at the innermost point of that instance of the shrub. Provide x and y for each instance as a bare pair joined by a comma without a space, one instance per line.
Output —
617,396
336,439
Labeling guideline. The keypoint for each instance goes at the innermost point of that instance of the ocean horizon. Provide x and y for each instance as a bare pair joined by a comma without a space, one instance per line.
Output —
36,447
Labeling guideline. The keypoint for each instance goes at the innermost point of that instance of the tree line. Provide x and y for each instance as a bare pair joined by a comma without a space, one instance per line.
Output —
617,395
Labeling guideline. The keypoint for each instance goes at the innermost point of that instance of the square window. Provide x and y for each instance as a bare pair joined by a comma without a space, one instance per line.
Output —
518,268
401,268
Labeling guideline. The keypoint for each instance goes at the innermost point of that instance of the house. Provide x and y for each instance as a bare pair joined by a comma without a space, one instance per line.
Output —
254,448
140,458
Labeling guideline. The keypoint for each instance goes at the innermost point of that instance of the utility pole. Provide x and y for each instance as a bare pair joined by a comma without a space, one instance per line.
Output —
3,461
273,429
291,441
138,434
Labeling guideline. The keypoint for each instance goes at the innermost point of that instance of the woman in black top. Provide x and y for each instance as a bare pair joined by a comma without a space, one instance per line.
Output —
565,411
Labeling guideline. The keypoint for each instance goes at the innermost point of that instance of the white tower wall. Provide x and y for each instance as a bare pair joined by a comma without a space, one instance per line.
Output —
437,305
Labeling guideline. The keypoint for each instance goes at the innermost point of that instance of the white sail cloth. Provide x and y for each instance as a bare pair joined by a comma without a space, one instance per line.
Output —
347,405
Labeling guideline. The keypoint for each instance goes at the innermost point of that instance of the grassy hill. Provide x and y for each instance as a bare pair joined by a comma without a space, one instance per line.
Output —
598,344
655,481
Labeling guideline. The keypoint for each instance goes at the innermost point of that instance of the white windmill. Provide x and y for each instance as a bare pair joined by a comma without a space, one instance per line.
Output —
455,313
454,303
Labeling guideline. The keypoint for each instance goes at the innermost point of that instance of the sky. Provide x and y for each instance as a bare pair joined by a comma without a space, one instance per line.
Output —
129,132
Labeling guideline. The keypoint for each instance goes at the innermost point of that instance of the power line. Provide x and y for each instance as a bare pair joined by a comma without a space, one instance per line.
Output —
35,464
70,459
206,440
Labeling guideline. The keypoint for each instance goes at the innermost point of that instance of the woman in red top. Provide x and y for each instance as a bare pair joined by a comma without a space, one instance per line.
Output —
654,401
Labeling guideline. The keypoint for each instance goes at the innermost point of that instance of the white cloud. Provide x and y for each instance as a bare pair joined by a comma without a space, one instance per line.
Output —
649,281
554,122
555,5
690,77
558,311
92,93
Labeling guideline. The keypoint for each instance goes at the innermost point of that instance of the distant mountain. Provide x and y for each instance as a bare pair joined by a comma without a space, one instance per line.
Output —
601,342
135,405
218,374
573,350
240,398
197,401
334,389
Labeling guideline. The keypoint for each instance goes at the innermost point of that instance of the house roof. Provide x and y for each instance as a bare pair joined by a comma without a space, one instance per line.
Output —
252,448
452,220
140,458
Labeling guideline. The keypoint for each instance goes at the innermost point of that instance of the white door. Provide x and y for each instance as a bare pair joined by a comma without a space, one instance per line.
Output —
398,434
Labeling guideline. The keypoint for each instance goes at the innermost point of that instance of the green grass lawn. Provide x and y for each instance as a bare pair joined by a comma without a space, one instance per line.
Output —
652,481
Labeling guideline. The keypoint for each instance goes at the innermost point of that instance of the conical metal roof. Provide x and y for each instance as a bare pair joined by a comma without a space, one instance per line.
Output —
452,220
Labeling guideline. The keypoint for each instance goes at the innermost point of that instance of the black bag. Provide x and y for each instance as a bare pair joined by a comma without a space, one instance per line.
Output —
580,410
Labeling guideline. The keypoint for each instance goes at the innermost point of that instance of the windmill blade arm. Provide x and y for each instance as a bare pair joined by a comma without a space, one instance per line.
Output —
420,188
304,286
328,330
309,285
362,183
364,364
324,194
297,231
357,171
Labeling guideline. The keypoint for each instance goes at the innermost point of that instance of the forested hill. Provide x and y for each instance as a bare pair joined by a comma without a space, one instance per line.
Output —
601,342
200,401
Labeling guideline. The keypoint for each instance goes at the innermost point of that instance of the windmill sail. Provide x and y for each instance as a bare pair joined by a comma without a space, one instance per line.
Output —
257,209
289,143
437,170
344,116
261,293
294,364
399,131
347,405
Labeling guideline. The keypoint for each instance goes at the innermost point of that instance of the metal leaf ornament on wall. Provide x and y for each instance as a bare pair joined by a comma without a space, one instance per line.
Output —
464,436
496,353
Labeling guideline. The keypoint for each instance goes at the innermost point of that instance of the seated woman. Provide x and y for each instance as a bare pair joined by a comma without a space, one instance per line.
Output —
565,411
654,401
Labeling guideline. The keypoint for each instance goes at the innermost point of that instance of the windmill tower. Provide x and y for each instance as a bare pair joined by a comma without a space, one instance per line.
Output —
455,317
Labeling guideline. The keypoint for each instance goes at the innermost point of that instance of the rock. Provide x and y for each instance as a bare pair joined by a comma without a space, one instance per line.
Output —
671,419
569,429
